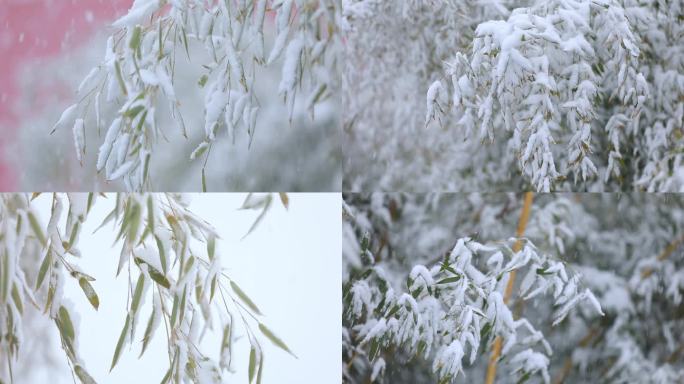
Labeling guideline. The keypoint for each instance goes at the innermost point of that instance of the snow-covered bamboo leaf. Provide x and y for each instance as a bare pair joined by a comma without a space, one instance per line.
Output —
89,292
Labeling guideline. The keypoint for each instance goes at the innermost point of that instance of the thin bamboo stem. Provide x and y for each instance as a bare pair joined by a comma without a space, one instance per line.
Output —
517,246
664,255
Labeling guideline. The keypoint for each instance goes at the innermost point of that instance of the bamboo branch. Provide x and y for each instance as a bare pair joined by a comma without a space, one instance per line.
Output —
567,365
664,255
522,224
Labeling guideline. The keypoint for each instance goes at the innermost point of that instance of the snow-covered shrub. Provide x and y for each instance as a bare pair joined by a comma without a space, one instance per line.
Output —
419,267
542,95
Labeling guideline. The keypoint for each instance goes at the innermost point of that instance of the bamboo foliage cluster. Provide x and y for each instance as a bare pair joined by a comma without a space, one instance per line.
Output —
170,257
626,267
543,95
228,44
453,309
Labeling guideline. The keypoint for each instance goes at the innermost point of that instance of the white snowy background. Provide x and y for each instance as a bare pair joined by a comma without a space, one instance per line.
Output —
289,266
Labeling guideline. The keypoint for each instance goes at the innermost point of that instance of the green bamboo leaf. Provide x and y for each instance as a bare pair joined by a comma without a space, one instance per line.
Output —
137,295
226,344
167,377
181,310
89,292
74,233
120,343
37,230
83,375
134,44
148,333
448,280
119,77
150,213
17,299
66,327
162,253
133,112
17,229
211,246
159,278
213,288
189,264
91,200
252,364
174,311
245,299
106,220
155,275
260,369
50,297
271,336
266,206
135,223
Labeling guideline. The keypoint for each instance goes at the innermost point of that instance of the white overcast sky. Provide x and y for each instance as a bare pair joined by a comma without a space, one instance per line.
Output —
290,266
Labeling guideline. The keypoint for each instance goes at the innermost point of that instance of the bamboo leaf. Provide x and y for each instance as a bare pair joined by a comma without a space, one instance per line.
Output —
66,327
83,375
106,220
155,275
245,299
150,213
448,280
120,343
267,204
159,278
260,368
181,309
89,292
137,295
74,233
148,333
211,246
119,77
134,44
174,311
252,364
271,336
284,199
162,253
17,299
37,230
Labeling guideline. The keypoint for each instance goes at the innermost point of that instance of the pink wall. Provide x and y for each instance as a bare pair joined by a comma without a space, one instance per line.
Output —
34,29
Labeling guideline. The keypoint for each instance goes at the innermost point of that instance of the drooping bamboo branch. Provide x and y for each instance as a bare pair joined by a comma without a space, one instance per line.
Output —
664,255
522,224
567,365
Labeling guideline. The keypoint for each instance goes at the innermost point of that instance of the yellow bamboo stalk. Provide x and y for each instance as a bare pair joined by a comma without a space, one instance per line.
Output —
517,246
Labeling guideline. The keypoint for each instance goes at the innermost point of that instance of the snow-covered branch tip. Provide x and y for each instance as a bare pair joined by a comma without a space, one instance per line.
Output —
453,309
